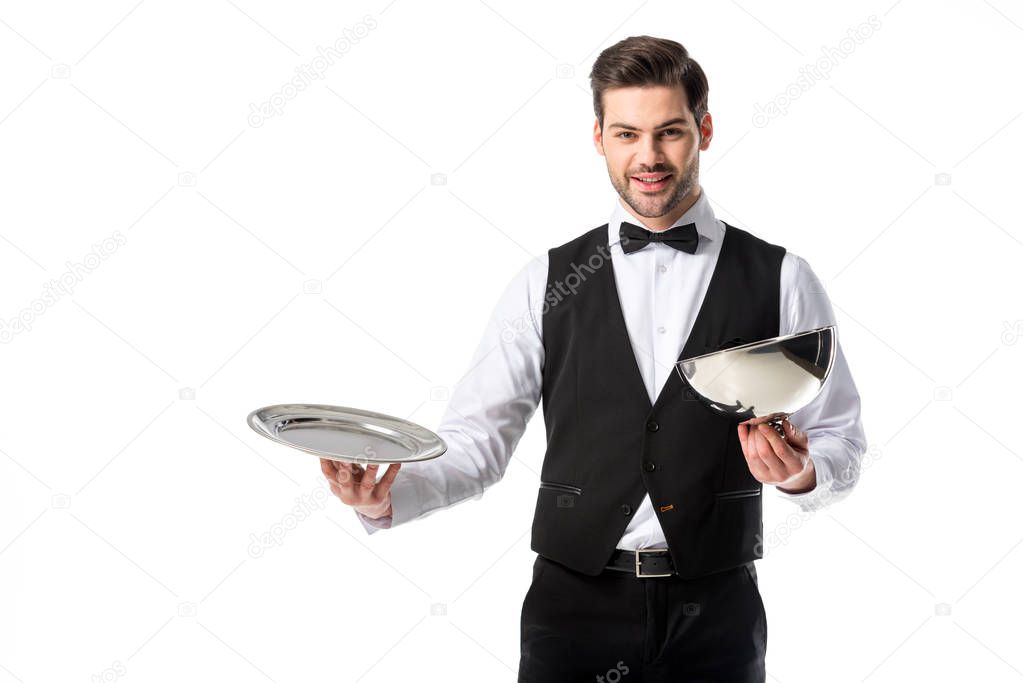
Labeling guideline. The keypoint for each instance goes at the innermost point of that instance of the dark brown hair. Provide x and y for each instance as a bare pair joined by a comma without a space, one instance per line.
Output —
645,60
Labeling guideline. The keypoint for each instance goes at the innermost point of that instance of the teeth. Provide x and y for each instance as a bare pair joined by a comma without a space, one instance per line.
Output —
652,180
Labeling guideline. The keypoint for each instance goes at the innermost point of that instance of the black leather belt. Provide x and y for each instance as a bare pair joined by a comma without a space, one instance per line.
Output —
644,563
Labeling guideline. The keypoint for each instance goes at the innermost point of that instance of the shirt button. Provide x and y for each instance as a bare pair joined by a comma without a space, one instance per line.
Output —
652,426
649,466
626,509
662,268
661,330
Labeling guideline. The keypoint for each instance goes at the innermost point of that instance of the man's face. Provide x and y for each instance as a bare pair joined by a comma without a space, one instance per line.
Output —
650,132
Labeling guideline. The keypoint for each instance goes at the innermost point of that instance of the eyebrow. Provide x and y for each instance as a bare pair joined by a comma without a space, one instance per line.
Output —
672,122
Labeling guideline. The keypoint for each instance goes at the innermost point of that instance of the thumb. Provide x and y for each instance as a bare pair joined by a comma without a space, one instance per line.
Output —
792,433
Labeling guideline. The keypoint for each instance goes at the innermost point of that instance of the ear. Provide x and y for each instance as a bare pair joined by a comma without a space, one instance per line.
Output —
706,131
598,137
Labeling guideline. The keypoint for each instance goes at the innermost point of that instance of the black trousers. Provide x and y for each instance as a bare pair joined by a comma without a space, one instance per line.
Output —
617,628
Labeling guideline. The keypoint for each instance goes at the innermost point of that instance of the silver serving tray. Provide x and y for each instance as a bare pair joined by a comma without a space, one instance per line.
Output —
346,434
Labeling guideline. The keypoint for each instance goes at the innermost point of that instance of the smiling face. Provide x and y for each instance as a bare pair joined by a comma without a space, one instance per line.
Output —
649,133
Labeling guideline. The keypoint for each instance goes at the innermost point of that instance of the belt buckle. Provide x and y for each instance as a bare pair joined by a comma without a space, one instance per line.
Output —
638,564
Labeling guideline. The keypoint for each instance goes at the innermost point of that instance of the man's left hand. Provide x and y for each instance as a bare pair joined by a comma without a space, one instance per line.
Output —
785,463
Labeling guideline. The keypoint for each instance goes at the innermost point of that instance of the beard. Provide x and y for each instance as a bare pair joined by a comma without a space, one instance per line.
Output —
663,203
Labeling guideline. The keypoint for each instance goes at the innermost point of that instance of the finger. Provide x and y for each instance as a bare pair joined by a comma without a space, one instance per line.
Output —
369,477
328,468
384,485
745,440
766,453
780,448
345,477
795,435
359,477
753,461
756,466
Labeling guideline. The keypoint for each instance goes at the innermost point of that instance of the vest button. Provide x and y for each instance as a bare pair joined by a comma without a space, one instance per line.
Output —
649,466
626,509
652,426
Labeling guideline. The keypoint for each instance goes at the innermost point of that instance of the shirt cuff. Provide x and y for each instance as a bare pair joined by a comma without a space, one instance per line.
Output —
405,501
373,525
404,504
819,496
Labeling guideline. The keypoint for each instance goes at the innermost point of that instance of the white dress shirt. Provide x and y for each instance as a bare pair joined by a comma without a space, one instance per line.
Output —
661,290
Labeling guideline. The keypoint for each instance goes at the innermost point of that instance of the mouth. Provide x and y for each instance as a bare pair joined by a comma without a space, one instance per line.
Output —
651,182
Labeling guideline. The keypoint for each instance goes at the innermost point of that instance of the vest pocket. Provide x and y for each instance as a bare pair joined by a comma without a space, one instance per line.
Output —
740,493
564,488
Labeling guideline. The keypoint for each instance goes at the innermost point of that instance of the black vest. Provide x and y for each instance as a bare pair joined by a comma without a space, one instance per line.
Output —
607,447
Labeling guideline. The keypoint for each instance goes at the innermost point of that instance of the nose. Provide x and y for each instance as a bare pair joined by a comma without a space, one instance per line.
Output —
649,153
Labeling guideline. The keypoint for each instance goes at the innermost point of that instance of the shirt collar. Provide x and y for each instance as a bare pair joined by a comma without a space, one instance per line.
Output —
707,225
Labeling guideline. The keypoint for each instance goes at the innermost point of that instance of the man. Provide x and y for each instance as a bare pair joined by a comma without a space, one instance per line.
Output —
648,515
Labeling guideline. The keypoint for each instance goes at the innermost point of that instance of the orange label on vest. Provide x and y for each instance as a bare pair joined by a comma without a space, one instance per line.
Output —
665,508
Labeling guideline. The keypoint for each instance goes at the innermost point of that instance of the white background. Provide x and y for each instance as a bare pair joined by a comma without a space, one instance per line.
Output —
313,258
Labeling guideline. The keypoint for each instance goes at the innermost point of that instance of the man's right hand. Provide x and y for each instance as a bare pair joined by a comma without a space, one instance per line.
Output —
359,487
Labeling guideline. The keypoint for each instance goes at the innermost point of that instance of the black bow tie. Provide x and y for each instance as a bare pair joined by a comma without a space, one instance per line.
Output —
681,237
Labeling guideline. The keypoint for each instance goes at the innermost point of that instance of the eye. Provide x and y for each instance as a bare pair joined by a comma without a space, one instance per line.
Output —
673,131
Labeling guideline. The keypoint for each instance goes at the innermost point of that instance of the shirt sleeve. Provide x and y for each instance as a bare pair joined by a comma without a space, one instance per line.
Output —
487,412
832,420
